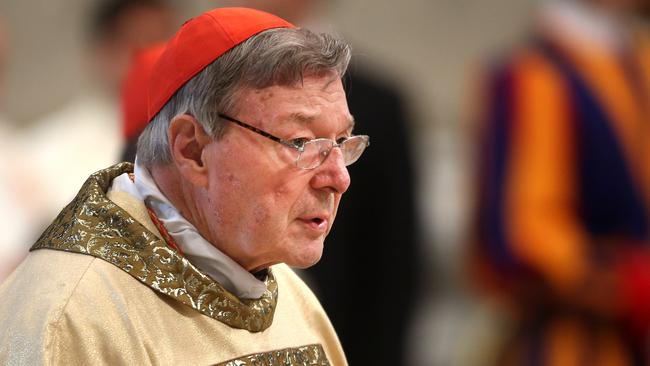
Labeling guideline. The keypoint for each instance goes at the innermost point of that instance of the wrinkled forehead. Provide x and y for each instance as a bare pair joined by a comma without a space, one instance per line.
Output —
315,99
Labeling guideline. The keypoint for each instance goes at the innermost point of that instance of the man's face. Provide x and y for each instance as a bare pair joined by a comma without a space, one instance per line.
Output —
259,208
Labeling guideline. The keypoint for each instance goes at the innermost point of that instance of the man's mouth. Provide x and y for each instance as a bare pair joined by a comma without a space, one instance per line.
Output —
317,223
317,220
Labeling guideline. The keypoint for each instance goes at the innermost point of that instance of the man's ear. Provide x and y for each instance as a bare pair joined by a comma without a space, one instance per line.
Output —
187,139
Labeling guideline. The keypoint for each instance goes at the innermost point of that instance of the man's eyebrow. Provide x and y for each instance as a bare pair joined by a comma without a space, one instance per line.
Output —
306,119
301,117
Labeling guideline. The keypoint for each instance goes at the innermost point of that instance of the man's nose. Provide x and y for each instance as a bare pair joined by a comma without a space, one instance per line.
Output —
332,173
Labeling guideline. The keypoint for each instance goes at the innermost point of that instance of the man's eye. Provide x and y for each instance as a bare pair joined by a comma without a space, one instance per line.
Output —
299,142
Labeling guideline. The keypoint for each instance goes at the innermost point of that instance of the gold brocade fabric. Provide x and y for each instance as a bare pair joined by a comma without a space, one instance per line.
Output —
312,355
93,225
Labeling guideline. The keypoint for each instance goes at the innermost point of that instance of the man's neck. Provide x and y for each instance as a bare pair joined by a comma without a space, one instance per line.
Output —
168,180
166,193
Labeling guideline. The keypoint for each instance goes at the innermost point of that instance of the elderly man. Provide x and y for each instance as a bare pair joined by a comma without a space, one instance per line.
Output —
183,259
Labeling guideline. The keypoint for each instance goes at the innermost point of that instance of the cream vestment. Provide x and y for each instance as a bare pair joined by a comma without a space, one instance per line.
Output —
102,287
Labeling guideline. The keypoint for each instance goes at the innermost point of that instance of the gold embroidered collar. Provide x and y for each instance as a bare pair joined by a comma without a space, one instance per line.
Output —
93,225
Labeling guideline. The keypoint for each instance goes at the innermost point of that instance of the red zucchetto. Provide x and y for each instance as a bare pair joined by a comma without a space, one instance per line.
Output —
198,43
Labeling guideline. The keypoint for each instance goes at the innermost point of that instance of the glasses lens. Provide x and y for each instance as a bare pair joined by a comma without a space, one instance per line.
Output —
353,147
314,152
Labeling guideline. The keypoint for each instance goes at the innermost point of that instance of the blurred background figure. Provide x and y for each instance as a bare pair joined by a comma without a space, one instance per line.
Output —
376,226
564,189
134,97
84,135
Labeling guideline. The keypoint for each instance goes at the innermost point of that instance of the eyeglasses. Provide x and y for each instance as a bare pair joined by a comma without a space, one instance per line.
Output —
312,153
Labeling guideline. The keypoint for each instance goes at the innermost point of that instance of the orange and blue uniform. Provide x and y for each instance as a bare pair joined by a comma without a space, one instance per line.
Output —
564,199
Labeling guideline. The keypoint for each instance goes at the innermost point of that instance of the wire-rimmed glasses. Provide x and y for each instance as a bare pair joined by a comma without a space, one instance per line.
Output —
312,153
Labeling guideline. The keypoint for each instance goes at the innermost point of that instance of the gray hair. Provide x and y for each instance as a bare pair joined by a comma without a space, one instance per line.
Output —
279,56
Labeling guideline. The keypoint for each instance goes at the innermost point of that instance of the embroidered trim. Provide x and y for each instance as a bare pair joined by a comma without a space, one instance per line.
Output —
160,226
163,231
94,225
312,355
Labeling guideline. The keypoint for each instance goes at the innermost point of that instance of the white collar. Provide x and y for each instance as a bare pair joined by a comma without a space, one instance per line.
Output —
195,248
584,23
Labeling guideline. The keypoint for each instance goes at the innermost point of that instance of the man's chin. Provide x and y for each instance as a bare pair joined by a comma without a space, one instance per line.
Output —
309,256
